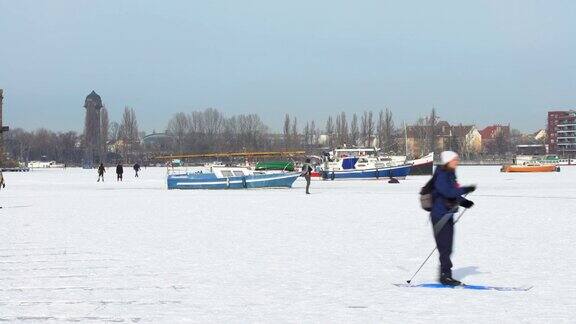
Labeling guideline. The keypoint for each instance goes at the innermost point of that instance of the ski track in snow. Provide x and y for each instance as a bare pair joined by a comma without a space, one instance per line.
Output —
134,252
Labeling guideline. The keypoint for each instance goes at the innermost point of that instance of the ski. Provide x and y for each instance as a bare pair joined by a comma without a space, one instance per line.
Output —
464,286
22,206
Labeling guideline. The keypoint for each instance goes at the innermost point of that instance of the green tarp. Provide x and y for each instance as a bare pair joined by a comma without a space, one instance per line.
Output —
275,165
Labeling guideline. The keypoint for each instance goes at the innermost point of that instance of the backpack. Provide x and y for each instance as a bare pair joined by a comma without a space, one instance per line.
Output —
426,199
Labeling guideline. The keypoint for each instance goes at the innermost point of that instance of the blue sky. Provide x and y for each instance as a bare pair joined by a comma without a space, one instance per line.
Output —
475,61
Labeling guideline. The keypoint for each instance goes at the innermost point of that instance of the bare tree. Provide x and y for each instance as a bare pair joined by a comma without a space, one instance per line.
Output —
23,146
252,132
421,137
367,128
113,131
287,131
197,122
354,131
129,132
313,134
380,133
337,130
343,129
104,128
213,122
364,129
295,136
330,130
179,127
230,135
386,131
196,139
306,134
370,129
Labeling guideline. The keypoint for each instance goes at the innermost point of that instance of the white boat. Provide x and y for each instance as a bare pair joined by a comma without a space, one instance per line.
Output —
45,165
543,159
369,158
362,163
357,158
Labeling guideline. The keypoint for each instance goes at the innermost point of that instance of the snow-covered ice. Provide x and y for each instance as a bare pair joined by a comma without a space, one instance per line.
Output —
73,249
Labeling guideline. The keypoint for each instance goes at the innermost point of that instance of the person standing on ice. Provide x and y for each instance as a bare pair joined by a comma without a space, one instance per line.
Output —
307,174
447,197
2,183
101,170
136,169
119,172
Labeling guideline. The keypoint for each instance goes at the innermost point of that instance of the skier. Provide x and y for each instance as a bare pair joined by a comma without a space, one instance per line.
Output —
447,196
307,173
136,168
101,170
119,172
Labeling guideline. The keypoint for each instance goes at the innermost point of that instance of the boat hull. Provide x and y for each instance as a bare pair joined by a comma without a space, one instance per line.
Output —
193,181
399,172
423,166
530,168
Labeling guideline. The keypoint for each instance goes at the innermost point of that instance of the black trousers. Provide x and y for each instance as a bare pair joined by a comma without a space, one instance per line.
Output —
307,177
444,236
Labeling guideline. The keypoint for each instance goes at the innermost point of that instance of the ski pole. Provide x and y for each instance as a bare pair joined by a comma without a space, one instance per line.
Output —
435,248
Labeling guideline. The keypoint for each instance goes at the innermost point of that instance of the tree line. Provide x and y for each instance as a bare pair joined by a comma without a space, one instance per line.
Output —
366,129
120,139
209,130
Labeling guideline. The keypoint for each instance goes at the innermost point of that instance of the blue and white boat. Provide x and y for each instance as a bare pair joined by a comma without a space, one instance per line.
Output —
363,163
231,178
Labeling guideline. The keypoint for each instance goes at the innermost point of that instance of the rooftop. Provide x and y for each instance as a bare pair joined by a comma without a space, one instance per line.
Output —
95,98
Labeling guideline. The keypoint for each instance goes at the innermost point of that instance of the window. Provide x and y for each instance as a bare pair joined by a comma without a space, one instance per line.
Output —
238,173
227,174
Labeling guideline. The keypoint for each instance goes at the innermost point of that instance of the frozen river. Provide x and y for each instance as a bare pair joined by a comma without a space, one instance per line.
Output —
72,249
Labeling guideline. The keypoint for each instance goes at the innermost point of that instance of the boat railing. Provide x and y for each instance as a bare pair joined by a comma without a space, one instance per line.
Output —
184,169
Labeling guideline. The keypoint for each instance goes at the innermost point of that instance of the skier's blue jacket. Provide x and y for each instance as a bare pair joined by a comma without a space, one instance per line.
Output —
447,193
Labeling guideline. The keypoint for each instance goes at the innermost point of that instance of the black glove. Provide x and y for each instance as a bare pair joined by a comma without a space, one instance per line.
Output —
468,189
466,203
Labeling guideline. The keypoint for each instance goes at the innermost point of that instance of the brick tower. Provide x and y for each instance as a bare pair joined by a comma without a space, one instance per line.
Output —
92,104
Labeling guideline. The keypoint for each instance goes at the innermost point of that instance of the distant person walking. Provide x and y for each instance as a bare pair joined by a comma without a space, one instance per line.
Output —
447,197
136,169
2,183
101,171
307,174
119,172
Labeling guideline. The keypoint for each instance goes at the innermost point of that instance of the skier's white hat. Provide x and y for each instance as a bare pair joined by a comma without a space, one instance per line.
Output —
447,156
